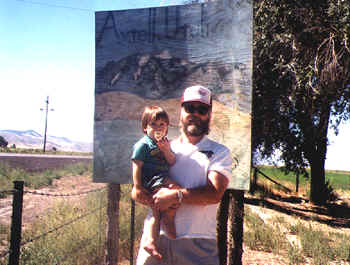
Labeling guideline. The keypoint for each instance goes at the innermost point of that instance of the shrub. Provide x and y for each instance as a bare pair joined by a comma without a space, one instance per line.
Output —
3,142
295,255
261,236
70,233
39,179
74,231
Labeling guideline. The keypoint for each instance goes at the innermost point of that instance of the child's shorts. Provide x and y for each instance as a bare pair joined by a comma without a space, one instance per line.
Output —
156,181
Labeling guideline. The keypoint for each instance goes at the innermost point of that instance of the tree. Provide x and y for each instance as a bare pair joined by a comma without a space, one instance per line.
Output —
3,142
300,82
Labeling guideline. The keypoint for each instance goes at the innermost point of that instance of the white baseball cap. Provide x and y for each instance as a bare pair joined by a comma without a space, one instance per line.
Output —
197,93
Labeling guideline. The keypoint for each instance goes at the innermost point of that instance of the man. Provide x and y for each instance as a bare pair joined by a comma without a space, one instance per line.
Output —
203,168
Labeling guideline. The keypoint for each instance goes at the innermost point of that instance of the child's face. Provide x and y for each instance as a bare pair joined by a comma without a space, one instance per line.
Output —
157,129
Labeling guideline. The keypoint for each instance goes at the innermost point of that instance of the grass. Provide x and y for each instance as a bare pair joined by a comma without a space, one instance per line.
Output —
319,246
260,236
338,180
79,241
36,180
323,247
40,151
83,241
316,246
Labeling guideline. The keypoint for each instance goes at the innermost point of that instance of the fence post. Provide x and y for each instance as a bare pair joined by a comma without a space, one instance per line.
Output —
235,227
113,224
297,184
132,231
16,223
254,182
222,218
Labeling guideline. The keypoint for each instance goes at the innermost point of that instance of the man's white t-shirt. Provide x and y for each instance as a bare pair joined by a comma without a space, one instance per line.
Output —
193,162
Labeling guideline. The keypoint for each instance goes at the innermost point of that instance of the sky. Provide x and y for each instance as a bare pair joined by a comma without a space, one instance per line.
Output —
47,49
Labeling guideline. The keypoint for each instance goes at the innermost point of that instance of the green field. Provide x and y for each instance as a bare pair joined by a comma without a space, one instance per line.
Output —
338,180
40,151
39,179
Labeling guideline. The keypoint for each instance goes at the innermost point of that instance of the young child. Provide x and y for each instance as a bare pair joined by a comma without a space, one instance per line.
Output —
151,159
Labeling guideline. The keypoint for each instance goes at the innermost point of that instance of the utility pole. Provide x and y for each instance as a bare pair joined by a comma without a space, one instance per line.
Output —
46,114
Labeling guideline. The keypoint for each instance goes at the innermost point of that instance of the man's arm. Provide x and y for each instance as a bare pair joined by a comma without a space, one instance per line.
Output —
208,194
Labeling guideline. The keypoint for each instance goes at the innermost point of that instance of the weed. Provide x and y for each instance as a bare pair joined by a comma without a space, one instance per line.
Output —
341,245
40,151
320,246
295,255
75,232
261,236
279,220
36,180
4,229
78,239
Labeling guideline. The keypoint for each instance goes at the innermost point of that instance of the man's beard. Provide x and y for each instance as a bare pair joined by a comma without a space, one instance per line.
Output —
194,126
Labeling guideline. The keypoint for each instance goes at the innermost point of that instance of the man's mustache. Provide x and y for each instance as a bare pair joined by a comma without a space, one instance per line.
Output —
193,119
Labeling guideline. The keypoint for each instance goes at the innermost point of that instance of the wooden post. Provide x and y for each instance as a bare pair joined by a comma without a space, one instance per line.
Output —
222,227
230,228
132,231
16,225
254,182
113,224
235,227
297,184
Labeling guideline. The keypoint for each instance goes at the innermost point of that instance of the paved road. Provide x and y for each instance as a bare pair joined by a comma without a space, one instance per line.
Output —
35,162
43,156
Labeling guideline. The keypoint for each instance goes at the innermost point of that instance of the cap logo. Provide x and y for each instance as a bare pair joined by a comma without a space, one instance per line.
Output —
202,93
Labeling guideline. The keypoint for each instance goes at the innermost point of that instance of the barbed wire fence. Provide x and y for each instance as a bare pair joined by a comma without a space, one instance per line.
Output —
21,246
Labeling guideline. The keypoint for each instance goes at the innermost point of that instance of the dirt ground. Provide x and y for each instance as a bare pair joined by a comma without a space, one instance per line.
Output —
334,217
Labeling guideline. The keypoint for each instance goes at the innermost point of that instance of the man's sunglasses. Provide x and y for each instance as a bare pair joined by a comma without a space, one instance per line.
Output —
202,110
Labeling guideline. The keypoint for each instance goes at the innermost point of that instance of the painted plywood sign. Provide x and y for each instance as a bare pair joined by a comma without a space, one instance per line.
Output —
149,56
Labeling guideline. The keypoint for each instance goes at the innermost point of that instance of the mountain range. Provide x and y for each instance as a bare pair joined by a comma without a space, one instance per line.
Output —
33,139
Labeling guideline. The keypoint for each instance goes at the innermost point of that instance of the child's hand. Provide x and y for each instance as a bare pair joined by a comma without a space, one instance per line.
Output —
164,145
141,195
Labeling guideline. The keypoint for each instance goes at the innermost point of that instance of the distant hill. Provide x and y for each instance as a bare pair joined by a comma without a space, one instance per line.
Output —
32,139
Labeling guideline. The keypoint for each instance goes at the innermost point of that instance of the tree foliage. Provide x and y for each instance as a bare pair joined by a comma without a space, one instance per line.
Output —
3,142
300,81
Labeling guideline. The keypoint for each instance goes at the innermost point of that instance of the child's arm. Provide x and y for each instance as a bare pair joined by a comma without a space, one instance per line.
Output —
139,193
164,146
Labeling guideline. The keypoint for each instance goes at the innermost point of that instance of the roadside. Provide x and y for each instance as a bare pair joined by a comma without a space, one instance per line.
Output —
38,162
291,209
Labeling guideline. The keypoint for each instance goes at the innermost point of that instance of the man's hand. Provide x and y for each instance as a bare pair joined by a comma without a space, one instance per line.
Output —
166,198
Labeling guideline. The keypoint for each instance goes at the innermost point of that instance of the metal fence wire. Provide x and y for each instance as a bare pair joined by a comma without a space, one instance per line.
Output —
22,245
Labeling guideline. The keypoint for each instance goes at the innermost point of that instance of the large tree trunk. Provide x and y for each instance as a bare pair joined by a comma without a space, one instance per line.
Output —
317,184
317,160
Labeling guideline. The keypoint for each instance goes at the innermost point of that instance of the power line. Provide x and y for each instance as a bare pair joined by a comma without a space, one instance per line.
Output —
56,6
